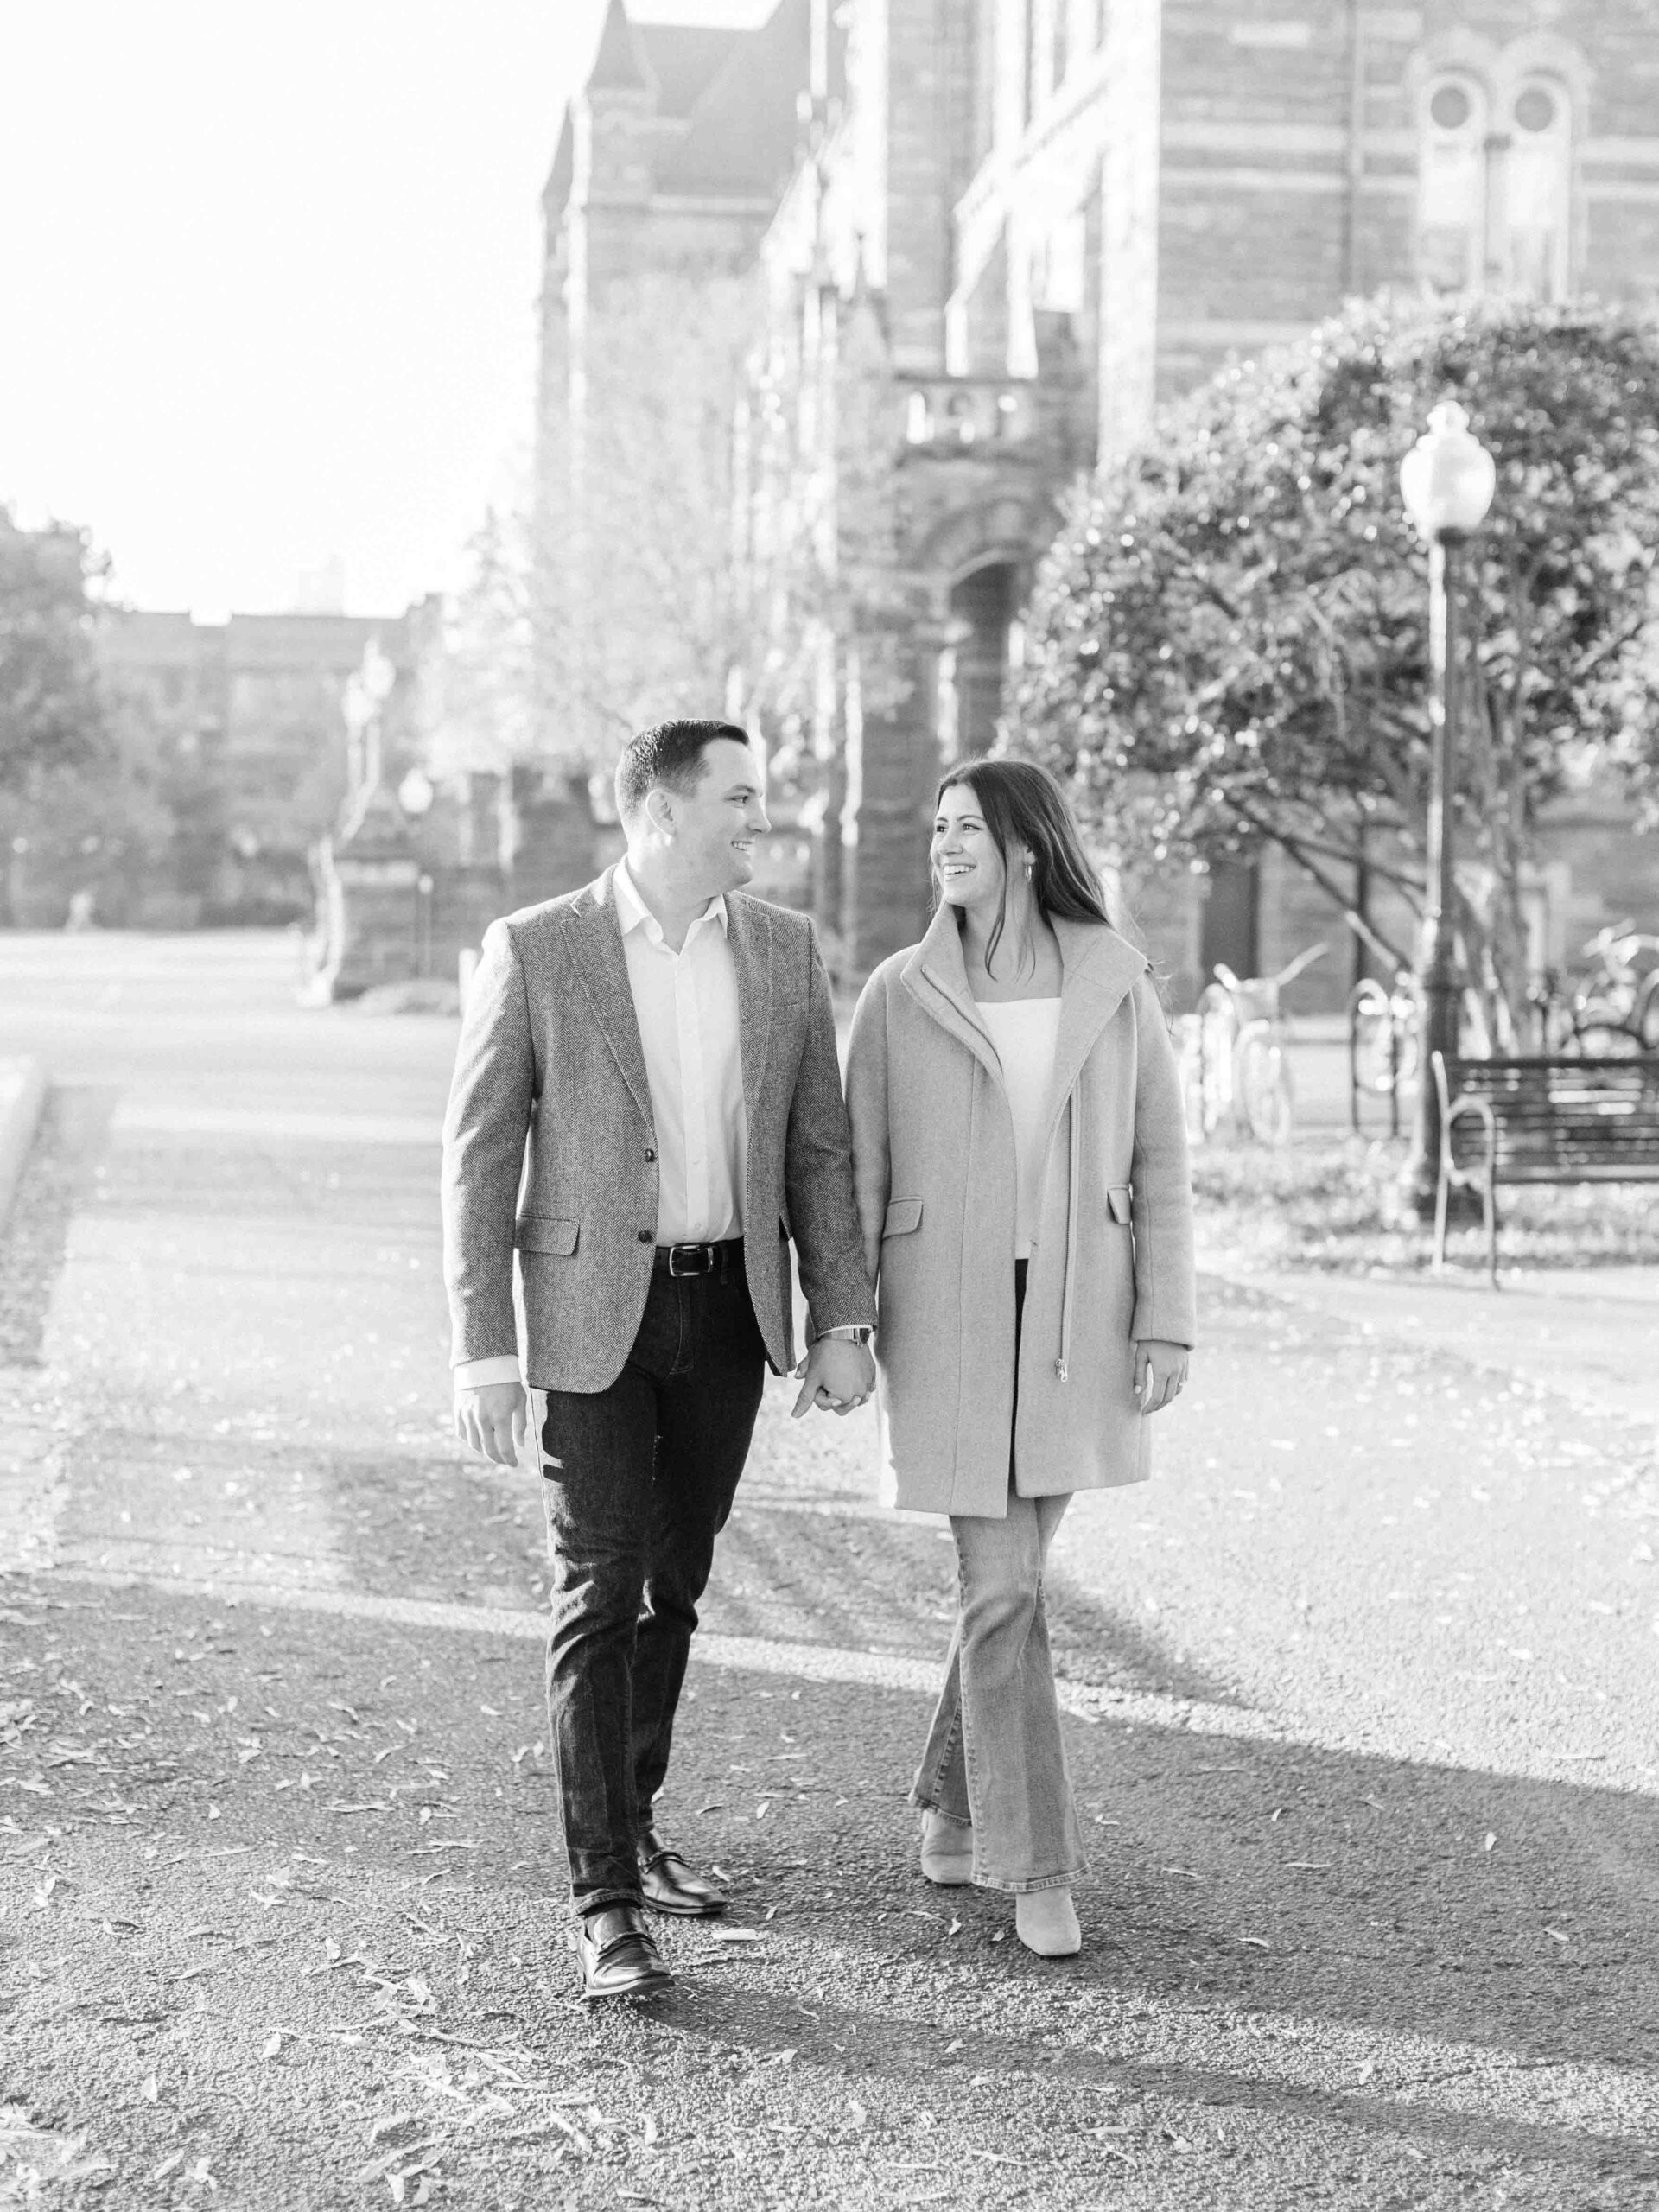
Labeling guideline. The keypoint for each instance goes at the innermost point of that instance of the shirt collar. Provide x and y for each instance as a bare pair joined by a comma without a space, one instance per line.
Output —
632,913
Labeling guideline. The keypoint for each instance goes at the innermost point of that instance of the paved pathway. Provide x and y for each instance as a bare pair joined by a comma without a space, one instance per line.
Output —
1365,1730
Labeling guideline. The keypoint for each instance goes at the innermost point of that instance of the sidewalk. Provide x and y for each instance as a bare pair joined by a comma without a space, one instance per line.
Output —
23,1094
1367,1923
1592,1336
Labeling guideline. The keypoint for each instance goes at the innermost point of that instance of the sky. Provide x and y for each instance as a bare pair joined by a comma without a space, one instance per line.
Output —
268,277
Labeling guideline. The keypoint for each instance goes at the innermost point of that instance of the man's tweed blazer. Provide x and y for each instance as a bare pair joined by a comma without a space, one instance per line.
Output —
551,1059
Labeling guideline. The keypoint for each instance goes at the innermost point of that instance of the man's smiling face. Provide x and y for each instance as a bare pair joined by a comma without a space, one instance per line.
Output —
717,824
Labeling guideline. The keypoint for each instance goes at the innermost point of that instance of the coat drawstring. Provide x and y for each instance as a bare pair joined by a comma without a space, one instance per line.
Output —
1063,1364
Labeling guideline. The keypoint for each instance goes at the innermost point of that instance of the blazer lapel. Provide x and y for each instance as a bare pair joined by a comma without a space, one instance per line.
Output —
595,940
934,977
749,932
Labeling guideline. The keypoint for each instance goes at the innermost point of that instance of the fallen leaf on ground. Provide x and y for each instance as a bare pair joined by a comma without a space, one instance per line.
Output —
381,2131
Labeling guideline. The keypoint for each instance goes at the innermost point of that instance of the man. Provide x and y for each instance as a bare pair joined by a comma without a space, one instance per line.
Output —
665,1047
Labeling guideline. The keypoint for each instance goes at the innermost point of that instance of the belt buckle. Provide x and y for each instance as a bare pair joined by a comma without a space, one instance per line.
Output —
701,1252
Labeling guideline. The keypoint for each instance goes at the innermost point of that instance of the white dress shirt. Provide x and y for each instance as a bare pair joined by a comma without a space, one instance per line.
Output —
685,1003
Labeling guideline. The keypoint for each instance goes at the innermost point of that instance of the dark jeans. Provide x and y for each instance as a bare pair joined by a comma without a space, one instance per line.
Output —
639,1481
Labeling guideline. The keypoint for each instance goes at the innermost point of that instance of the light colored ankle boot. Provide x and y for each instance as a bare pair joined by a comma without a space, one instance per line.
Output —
947,1851
1045,1922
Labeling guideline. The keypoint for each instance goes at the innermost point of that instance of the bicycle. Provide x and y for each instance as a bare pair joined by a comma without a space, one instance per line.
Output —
1385,1046
1614,1013
1385,1051
1235,1057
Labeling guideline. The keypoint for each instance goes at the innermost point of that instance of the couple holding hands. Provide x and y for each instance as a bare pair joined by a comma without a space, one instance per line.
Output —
647,1106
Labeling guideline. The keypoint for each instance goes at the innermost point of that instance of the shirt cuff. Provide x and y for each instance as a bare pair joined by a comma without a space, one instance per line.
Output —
479,1374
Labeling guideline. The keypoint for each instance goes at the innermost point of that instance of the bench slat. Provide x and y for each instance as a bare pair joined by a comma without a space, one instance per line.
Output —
1559,1120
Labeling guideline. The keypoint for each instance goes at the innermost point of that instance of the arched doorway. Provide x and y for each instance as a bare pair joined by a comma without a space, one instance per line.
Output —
985,603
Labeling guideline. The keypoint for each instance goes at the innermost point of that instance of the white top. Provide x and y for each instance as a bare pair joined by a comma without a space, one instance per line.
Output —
1026,1032
686,1006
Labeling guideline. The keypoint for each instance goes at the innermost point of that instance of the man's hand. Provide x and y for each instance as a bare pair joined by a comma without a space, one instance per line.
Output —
840,1376
1159,1373
492,1420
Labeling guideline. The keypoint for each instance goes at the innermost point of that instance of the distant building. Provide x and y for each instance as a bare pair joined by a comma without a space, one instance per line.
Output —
249,714
990,236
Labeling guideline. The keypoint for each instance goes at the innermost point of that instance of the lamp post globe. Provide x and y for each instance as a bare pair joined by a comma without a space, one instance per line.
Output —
1448,478
1447,482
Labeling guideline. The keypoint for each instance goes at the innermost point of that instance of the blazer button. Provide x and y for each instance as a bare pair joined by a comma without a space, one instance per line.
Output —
647,1237
650,1155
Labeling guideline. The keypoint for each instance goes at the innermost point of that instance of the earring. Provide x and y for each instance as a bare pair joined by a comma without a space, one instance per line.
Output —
1028,868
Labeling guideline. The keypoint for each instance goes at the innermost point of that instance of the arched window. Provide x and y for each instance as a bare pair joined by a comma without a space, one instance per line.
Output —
1538,189
1451,175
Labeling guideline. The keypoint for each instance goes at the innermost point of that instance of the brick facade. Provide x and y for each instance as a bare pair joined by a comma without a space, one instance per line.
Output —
1010,226
254,705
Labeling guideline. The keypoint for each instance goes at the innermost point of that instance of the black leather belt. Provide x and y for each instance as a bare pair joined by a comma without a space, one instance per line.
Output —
699,1259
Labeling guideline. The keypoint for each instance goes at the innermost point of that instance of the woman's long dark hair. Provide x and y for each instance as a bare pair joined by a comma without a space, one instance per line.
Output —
1024,805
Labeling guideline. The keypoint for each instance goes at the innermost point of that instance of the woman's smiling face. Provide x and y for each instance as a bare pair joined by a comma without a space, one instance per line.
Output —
966,864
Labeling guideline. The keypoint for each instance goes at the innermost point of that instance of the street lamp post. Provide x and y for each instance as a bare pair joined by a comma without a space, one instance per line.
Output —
1447,480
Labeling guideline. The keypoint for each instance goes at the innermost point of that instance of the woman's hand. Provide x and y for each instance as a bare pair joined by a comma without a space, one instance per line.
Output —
1159,1373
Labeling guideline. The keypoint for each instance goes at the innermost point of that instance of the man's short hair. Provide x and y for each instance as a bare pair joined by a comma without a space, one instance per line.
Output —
667,752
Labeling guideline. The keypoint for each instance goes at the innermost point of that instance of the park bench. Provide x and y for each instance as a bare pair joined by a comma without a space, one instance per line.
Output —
1542,1120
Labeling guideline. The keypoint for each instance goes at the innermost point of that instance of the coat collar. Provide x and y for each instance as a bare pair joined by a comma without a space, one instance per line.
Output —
1099,968
596,936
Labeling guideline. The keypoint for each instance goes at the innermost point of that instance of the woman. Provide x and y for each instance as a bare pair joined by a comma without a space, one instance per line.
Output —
1021,1158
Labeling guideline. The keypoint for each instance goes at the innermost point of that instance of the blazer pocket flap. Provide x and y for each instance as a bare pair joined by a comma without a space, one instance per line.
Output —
1121,1199
537,1232
902,1215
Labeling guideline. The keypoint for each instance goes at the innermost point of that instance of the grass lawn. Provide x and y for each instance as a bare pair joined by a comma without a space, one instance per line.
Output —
1323,1204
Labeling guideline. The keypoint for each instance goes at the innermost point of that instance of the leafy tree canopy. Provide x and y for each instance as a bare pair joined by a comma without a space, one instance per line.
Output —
1229,641
50,713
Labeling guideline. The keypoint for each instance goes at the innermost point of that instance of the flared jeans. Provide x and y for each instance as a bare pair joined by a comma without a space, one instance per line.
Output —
995,1757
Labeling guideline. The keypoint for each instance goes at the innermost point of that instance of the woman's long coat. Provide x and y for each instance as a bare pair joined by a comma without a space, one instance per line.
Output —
933,1154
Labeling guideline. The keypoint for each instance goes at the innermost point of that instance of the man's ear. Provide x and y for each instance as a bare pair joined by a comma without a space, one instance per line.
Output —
659,809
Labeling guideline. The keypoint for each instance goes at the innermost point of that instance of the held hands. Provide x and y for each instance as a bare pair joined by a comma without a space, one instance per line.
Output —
492,1420
1159,1373
840,1376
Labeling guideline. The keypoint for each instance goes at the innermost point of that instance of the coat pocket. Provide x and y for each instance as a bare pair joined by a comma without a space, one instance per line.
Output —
1120,1200
902,1215
539,1233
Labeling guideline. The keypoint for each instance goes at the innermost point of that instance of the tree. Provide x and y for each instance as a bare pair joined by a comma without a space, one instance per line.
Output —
1228,647
51,716
632,591
485,721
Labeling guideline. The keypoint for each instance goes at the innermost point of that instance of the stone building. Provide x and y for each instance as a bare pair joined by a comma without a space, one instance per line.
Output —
1000,232
248,714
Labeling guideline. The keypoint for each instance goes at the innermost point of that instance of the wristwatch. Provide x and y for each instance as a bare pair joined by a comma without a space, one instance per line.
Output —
854,1332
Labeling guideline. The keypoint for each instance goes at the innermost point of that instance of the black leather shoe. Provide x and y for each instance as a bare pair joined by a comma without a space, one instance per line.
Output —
617,1956
671,1886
